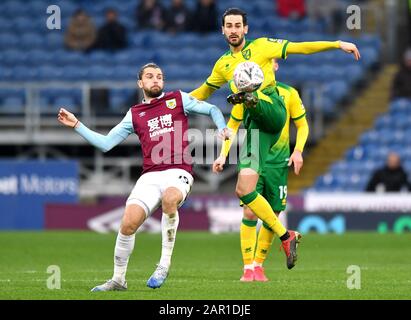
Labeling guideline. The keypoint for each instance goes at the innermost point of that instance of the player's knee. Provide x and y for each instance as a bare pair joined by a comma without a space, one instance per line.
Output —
171,200
128,226
241,191
128,229
249,215
133,218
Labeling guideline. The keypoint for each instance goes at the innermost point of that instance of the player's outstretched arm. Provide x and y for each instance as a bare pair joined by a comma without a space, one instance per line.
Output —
202,92
102,142
319,46
192,105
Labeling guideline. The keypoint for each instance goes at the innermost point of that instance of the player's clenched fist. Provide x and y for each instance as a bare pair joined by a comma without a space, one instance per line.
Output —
218,164
67,118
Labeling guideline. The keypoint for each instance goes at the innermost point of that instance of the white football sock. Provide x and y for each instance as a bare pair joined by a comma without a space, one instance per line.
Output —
257,264
124,248
169,225
249,266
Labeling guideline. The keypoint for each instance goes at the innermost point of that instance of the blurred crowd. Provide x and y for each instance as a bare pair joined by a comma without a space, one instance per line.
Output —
82,34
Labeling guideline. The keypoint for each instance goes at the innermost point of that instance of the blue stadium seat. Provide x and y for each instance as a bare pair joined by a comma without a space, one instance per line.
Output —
120,98
370,136
407,165
68,6
99,57
142,56
13,8
32,41
400,105
401,122
384,122
67,102
176,72
353,73
37,57
336,90
75,73
357,182
326,182
369,56
380,153
327,106
340,166
8,41
37,8
136,39
164,56
14,57
48,72
356,153
12,105
22,73
213,40
6,25
367,40
98,72
123,73
55,40
22,25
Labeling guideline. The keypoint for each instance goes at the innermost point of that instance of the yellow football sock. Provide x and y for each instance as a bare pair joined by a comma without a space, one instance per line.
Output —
262,209
265,239
248,239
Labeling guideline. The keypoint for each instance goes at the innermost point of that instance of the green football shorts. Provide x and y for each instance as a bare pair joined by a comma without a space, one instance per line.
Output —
272,185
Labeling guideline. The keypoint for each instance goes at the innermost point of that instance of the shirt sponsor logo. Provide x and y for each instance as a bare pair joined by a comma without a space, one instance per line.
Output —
160,125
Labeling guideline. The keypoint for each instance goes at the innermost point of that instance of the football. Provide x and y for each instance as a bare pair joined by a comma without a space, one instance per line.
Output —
248,76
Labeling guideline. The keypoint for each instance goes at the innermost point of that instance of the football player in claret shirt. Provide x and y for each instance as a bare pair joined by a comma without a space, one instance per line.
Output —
161,124
262,111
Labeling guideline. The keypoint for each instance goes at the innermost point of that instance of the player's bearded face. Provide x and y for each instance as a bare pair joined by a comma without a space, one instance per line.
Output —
152,83
234,30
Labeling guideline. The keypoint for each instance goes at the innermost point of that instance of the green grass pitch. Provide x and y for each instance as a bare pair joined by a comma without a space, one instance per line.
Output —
205,266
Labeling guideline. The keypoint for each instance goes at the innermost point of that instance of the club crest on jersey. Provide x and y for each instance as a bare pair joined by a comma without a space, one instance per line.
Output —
171,104
246,54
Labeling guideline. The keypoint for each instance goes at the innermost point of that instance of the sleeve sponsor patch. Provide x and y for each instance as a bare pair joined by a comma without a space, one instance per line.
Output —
275,40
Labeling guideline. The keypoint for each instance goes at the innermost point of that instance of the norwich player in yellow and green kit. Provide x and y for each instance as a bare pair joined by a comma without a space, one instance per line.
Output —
265,114
272,185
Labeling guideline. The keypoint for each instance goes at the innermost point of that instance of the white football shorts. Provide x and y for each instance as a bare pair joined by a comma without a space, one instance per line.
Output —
149,188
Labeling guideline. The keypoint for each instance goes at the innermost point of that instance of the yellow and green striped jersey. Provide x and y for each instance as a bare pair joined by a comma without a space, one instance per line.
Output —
261,51
280,152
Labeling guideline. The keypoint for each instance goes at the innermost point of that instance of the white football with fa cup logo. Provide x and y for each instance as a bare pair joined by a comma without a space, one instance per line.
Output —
248,76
